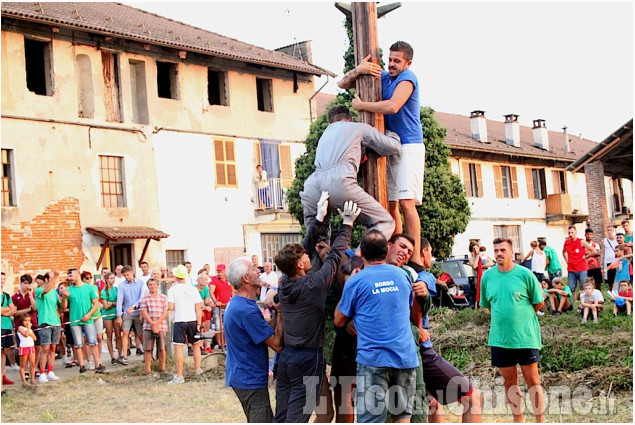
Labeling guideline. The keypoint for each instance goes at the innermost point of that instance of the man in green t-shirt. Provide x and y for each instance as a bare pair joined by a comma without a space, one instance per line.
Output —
8,310
47,302
553,264
513,296
83,303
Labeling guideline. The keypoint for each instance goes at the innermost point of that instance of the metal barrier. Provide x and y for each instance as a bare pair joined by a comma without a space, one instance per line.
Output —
271,197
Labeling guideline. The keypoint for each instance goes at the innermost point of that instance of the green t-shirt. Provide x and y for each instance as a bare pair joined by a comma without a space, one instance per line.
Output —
511,297
7,323
81,301
111,297
47,305
96,314
552,256
204,292
568,291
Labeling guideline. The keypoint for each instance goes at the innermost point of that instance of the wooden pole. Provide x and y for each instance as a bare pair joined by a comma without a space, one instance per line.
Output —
369,89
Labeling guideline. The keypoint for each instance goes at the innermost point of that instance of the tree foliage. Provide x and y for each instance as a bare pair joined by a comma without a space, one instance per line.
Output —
444,212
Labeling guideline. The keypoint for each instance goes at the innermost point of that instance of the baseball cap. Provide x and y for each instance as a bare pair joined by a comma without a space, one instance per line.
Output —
221,267
180,271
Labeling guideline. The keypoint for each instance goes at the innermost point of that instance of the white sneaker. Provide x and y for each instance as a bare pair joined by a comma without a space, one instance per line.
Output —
177,380
42,379
51,376
90,366
66,360
540,313
14,367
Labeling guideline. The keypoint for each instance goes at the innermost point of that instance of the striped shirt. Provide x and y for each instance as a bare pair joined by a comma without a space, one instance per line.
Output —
155,306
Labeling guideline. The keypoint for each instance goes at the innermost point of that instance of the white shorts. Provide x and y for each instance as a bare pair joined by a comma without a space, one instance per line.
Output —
405,173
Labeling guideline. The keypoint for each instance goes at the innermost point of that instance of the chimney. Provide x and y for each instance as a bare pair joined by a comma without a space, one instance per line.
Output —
478,125
541,136
301,50
567,148
512,130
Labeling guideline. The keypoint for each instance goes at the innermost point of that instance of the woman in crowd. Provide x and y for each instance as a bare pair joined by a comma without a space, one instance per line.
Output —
109,301
538,260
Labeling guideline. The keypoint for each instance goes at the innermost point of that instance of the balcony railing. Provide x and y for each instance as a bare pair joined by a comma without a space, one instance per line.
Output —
274,196
560,207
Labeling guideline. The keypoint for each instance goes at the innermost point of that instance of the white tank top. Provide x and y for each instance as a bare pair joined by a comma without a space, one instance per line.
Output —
538,262
609,251
25,341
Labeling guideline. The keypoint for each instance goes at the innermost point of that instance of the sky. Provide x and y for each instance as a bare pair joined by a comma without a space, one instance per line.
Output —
569,63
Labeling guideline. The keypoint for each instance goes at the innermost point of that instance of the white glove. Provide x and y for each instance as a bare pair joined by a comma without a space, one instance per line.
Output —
350,213
322,207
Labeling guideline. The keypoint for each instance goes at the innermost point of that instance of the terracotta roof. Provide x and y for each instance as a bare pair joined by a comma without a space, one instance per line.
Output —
127,232
459,136
119,20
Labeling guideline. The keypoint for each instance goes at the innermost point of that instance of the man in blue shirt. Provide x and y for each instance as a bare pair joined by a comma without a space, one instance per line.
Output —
248,335
402,113
386,351
129,295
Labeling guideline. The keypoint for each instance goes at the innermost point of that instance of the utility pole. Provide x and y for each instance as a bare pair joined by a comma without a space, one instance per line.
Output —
364,16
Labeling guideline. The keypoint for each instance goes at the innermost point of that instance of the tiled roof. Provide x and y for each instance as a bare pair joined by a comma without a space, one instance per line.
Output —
127,232
119,20
459,136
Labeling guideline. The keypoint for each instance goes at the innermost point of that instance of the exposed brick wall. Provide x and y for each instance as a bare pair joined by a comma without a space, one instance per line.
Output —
596,199
51,240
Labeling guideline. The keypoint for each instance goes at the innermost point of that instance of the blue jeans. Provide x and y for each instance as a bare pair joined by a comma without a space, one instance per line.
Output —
384,389
576,278
89,332
299,381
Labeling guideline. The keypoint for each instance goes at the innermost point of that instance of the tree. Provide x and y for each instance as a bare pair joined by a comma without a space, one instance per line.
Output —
444,212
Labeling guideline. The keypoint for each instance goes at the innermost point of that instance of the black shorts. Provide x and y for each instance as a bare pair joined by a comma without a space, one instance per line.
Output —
7,338
184,332
443,381
621,308
508,357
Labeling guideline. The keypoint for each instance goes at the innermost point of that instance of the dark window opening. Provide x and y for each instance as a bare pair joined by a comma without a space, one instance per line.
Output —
166,80
38,66
216,88
265,97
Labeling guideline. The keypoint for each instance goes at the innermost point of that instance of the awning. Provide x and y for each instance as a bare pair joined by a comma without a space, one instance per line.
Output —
115,234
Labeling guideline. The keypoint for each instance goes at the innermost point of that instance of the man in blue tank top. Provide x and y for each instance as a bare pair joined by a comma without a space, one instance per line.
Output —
402,114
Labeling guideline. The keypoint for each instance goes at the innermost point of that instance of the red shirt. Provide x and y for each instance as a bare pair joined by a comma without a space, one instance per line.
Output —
223,291
575,252
593,262
21,302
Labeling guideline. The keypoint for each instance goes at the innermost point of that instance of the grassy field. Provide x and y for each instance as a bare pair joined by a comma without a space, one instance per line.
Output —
587,371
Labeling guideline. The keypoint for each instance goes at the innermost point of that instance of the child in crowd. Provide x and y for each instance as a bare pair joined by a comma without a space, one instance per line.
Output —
622,265
560,297
590,300
624,299
27,347
546,286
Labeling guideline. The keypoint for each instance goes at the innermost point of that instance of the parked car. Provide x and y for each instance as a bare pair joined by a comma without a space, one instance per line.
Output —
457,269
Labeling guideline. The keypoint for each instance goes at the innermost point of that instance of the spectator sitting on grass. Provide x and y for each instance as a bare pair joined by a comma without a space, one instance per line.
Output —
624,299
560,297
546,286
590,300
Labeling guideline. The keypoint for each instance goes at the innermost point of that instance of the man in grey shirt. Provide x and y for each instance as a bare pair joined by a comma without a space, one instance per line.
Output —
337,158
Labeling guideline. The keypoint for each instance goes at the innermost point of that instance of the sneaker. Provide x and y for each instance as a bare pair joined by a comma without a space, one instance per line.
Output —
58,356
14,366
37,373
540,313
113,361
583,321
208,350
139,352
122,360
27,375
128,353
100,369
104,350
66,360
90,366
82,369
557,313
6,381
43,378
200,376
596,320
177,380
51,376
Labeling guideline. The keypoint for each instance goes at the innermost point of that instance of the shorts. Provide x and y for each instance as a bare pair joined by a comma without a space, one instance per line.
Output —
99,325
7,338
508,357
576,278
621,308
130,321
405,173
50,335
149,338
183,333
25,351
69,335
377,384
443,381
89,332
207,316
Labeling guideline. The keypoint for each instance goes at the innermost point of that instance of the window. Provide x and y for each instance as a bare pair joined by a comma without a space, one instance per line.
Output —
112,87
559,182
265,94
7,178
512,233
111,180
617,196
273,242
39,69
536,183
225,161
139,92
167,80
216,87
174,257
472,180
85,95
120,254
505,181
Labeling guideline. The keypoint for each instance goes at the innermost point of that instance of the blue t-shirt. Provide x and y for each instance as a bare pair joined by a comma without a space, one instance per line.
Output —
431,281
379,298
622,272
407,121
247,363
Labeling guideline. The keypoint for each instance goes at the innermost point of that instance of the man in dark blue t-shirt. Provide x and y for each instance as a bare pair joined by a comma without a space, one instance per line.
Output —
248,335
